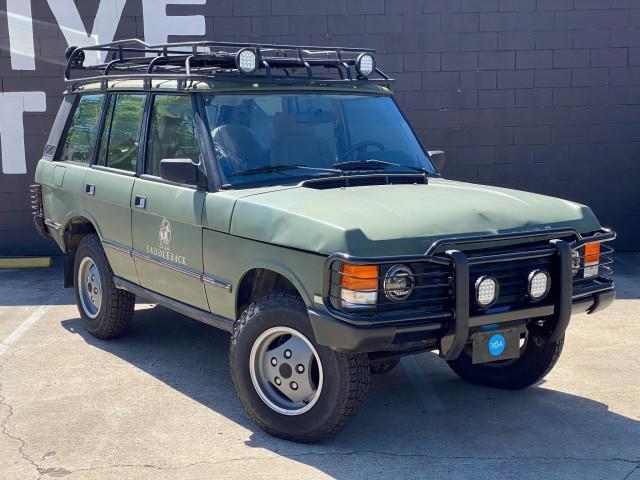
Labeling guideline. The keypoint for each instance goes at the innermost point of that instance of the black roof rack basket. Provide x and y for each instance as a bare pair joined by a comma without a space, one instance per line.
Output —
199,60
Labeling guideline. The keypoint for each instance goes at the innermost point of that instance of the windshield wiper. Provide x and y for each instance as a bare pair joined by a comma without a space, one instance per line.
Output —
355,164
280,168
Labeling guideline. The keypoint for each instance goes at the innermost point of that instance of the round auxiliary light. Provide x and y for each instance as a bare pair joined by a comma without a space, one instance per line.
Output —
539,284
365,64
487,290
399,283
246,60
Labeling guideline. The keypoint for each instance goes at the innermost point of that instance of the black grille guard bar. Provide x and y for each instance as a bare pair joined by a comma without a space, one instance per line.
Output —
455,338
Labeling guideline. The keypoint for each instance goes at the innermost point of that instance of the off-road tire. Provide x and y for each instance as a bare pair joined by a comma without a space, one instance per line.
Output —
381,367
536,360
116,310
346,376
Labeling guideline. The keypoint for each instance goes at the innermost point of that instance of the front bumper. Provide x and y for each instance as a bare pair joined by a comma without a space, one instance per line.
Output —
341,332
345,337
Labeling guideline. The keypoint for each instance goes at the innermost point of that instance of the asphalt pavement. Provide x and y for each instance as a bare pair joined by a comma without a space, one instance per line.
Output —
158,403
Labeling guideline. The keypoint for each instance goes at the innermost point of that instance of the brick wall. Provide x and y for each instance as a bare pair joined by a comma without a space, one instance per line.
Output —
541,95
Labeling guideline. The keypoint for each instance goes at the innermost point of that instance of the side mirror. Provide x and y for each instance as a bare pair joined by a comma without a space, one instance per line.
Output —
179,170
438,158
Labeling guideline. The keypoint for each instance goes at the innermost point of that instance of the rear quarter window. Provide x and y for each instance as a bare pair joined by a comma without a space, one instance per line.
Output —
80,137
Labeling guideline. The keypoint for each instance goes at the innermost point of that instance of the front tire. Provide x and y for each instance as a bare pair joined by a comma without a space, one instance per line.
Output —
290,386
537,358
105,310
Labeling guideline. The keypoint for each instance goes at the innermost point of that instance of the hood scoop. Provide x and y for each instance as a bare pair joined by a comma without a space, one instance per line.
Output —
365,180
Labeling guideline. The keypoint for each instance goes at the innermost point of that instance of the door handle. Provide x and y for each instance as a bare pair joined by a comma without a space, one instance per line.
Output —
90,189
140,202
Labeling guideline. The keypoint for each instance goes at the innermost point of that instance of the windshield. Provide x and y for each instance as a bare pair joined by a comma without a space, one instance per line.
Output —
283,138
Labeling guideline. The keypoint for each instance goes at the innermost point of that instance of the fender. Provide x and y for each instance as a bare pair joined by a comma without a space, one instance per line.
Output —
278,268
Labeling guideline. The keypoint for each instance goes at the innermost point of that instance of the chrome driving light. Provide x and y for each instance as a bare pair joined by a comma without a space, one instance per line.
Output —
365,64
539,285
246,60
399,283
487,291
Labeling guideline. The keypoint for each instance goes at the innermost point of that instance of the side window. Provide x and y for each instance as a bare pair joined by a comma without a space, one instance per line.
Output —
172,132
121,135
82,131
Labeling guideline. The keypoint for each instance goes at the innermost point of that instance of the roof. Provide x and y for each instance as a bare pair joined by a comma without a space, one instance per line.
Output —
211,65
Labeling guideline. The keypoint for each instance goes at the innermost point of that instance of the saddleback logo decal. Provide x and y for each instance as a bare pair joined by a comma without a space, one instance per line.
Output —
164,251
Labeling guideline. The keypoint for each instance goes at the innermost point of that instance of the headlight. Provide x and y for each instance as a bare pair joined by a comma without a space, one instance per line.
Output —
539,284
487,289
246,61
575,262
399,283
365,64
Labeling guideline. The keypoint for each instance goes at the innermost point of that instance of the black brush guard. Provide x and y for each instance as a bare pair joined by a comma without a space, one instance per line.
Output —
364,332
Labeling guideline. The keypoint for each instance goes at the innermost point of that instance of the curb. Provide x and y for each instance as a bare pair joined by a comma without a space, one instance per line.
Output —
25,262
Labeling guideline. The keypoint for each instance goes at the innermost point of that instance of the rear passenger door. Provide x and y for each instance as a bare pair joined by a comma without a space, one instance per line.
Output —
167,228
64,180
109,183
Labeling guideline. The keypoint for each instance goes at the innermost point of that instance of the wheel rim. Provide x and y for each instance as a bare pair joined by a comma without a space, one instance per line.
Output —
286,371
89,287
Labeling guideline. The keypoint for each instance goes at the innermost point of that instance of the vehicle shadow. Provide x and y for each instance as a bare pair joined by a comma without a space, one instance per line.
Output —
419,418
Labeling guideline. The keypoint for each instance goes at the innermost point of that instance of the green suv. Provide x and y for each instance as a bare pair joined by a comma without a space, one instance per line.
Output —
278,193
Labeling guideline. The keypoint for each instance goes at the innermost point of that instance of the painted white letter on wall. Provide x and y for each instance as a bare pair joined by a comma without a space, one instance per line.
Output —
12,106
158,25
21,35
104,26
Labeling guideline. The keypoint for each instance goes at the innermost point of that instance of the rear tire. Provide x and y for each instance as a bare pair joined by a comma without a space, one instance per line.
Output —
270,332
105,310
535,362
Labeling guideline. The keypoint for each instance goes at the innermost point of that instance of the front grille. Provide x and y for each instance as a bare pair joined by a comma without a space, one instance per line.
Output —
509,262
513,278
433,289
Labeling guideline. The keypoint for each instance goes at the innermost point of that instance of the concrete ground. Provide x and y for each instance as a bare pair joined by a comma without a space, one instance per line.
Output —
159,404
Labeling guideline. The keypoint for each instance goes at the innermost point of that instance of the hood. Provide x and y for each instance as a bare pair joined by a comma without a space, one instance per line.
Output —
397,219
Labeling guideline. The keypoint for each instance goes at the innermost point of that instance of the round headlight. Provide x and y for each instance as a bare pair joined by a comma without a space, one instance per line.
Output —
486,290
246,60
365,64
399,283
539,284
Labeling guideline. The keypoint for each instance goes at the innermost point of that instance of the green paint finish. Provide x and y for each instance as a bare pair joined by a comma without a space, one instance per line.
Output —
110,206
398,219
230,258
168,229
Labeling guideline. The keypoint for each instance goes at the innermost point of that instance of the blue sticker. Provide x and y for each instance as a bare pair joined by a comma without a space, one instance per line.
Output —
497,343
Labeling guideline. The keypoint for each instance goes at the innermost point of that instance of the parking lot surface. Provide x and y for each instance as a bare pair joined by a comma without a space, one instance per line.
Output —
158,403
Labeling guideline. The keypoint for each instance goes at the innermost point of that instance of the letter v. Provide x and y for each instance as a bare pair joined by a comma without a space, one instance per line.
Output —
104,27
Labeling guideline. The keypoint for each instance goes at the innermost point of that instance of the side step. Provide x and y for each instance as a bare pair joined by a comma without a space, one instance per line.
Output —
209,318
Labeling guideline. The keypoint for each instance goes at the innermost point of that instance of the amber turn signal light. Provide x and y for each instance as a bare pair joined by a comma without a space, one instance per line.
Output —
592,253
359,277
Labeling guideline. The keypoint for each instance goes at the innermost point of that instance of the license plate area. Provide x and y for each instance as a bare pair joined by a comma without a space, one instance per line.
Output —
496,345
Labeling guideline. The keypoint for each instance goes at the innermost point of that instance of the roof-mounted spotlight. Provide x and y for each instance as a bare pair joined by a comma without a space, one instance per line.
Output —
365,64
78,58
246,60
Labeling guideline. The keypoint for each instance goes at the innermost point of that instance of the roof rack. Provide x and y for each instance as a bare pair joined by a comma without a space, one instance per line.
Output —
133,58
